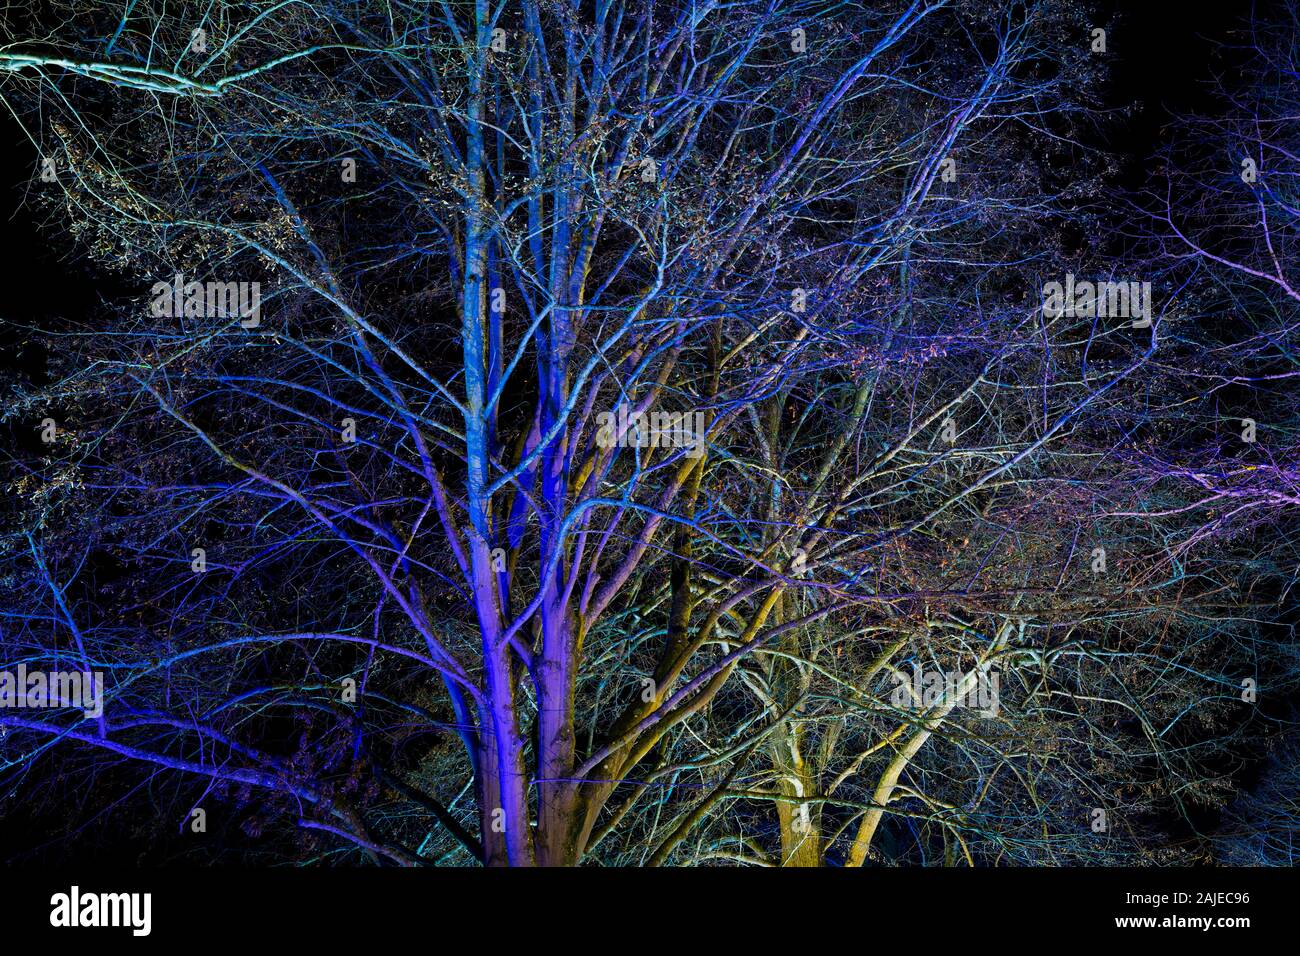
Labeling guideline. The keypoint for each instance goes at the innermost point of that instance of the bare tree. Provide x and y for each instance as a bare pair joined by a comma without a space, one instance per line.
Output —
594,409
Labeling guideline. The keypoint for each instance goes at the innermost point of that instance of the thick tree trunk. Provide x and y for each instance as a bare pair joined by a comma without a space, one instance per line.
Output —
800,822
